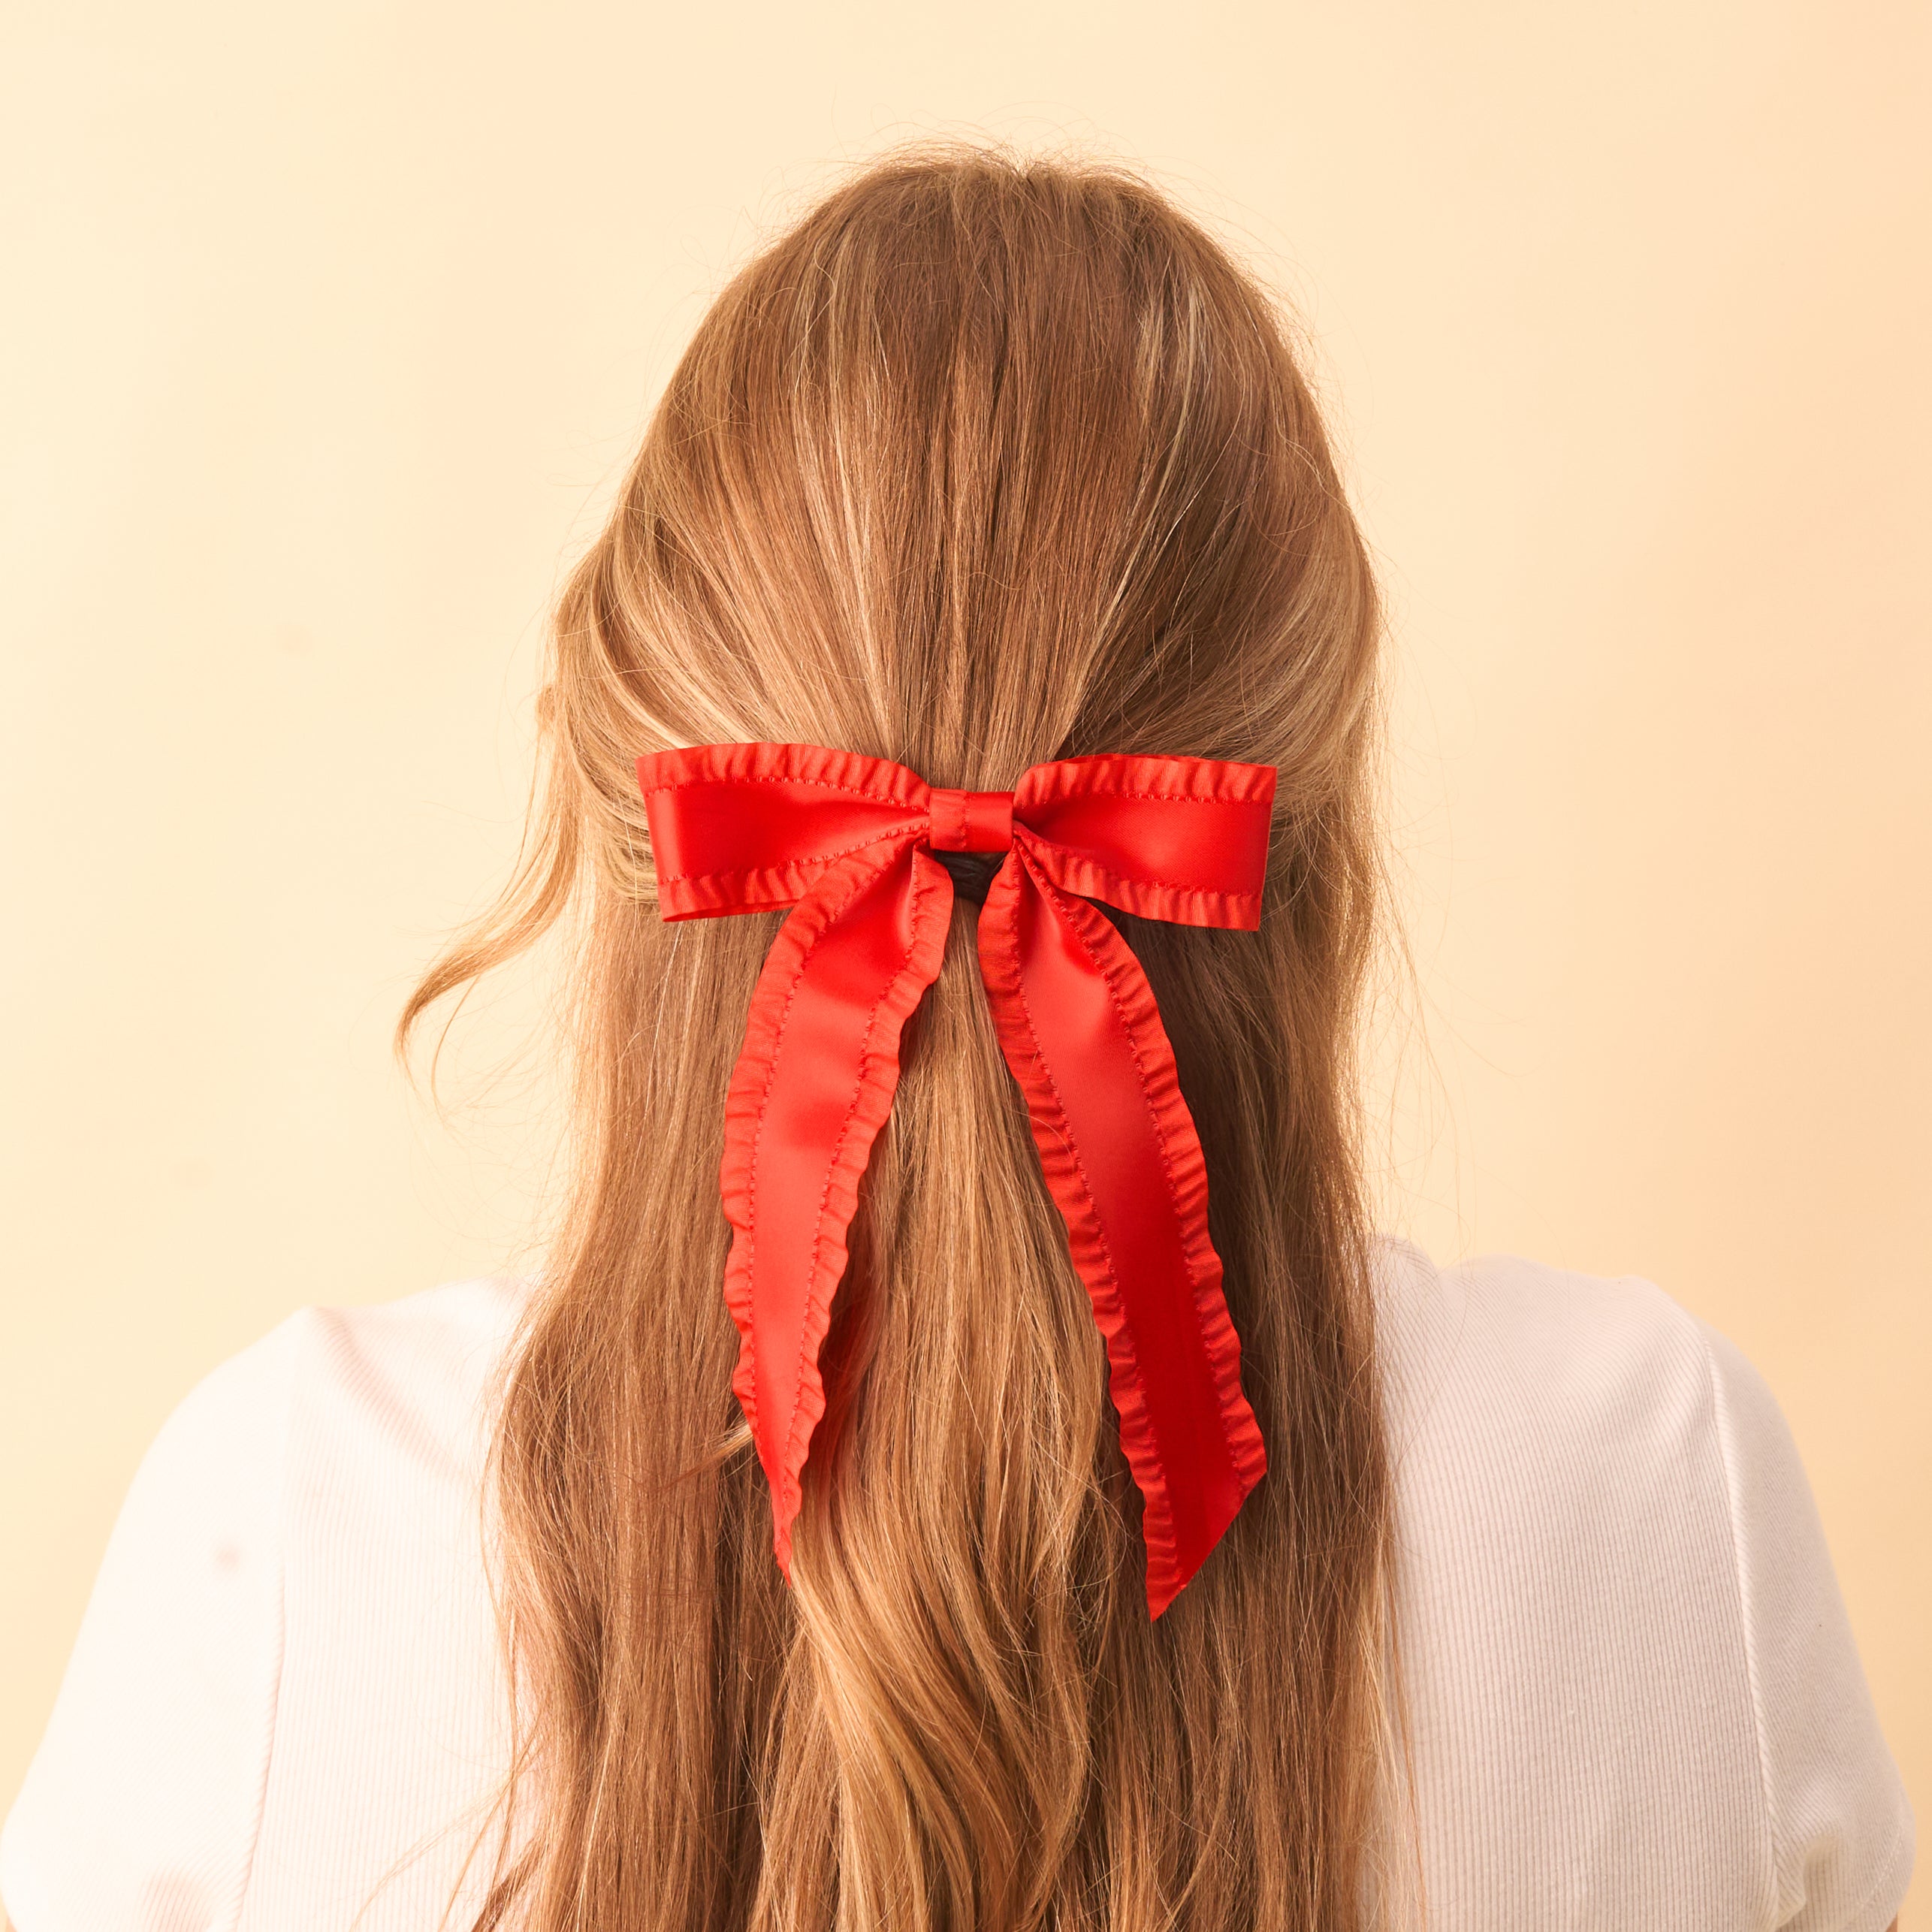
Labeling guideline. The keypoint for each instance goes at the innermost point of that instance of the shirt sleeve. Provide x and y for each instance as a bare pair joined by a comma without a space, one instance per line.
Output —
1841,1828
140,1810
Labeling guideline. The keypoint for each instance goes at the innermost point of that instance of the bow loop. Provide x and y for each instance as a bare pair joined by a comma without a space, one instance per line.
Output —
1180,839
740,827
848,841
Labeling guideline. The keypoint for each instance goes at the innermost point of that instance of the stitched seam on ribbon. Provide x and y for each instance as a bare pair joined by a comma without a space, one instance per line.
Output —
818,859
1163,885
751,1160
1124,1330
1077,860
1155,797
771,778
1181,1216
867,1055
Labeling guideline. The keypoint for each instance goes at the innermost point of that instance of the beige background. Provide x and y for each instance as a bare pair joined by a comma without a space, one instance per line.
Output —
327,328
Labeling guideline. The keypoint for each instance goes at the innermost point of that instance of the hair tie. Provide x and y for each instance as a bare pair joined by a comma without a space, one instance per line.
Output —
849,842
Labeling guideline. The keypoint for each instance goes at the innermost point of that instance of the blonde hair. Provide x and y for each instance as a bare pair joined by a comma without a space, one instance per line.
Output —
986,462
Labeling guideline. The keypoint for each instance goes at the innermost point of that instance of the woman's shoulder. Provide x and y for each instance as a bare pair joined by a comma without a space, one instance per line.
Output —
414,1378
1527,1343
1550,1429
396,1397
1542,1377
290,1641
416,1374
442,1344
1609,1566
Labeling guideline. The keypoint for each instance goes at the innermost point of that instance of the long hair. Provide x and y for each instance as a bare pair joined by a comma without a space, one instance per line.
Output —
985,462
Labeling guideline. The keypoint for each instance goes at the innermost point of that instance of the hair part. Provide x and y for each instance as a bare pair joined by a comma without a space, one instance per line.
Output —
987,461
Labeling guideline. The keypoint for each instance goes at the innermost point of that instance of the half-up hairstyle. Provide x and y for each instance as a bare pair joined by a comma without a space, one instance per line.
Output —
986,462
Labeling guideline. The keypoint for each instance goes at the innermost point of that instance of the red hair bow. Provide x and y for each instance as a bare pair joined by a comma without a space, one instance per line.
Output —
846,841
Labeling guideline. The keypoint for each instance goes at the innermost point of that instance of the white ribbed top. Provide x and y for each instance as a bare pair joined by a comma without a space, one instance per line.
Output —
1634,1697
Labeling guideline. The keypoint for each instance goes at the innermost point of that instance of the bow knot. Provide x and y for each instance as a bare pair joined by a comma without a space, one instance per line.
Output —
971,821
848,842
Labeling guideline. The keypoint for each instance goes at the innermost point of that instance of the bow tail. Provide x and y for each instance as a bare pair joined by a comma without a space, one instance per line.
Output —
812,1087
1079,1028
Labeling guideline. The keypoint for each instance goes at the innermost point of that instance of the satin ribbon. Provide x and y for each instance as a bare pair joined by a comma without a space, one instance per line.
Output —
846,841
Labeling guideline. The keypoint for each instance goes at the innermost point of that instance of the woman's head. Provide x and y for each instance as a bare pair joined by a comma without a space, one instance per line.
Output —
981,464
984,462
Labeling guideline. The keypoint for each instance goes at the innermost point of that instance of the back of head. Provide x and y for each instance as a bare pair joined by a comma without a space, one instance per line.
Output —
984,462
